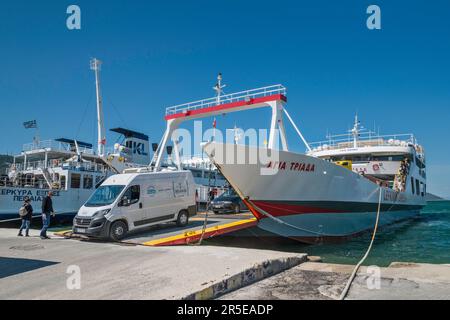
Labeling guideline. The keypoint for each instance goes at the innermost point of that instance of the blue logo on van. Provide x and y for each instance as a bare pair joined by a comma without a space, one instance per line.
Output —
151,191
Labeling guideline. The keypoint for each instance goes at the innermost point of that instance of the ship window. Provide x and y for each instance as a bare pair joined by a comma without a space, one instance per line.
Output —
422,189
388,158
417,187
197,173
210,175
412,186
62,182
88,181
75,180
98,179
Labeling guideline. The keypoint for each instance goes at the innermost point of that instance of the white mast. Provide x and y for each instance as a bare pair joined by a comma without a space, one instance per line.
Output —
355,132
218,87
95,65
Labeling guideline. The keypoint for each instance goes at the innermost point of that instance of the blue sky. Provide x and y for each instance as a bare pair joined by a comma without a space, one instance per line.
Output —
156,54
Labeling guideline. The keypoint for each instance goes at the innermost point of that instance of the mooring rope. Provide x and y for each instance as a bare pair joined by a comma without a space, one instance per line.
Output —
208,204
355,270
353,275
281,221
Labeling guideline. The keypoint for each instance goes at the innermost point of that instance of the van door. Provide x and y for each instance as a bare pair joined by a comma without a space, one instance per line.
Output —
158,201
131,206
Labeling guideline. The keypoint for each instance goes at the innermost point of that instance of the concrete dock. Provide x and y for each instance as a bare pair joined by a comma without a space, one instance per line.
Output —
323,281
31,268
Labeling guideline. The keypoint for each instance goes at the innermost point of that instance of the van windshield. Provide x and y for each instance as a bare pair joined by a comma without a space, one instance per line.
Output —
104,195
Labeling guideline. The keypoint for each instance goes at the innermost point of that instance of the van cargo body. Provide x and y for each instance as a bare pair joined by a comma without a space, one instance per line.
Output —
130,201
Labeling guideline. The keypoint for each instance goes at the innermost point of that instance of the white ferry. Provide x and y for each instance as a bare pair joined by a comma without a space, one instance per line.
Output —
69,168
332,191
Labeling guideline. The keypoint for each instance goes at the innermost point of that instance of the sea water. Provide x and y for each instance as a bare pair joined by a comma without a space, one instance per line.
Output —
424,239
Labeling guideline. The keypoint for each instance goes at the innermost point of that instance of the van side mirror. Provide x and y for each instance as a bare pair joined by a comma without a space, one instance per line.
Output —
125,202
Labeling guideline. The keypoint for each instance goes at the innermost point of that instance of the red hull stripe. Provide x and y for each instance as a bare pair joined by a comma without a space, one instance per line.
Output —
281,209
227,106
278,209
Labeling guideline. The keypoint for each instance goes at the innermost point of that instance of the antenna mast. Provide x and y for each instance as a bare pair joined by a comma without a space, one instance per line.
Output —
218,87
95,65
355,132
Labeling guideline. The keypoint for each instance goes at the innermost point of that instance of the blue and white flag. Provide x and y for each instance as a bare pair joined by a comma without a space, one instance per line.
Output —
30,124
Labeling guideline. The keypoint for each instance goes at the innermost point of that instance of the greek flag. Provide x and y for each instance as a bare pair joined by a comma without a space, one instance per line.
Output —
30,124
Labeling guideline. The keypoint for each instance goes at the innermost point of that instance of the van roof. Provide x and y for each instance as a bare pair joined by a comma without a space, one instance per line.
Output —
126,178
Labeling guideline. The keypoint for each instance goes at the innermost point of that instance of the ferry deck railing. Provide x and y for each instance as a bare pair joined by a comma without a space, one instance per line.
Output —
53,145
227,98
366,139
52,164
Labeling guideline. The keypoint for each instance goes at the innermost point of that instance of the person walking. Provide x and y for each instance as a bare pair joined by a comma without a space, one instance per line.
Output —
196,200
47,210
27,210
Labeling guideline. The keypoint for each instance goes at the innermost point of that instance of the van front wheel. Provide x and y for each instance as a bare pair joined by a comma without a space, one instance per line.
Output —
183,218
118,230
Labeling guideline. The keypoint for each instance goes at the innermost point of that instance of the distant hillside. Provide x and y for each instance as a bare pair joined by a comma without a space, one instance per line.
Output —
433,197
5,161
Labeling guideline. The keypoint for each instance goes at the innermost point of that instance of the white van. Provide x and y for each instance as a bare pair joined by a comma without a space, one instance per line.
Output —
129,201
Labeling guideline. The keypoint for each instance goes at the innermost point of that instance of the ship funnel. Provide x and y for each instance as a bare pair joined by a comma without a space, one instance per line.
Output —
135,146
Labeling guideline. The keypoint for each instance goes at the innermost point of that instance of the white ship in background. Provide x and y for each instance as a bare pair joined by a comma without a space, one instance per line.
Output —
72,169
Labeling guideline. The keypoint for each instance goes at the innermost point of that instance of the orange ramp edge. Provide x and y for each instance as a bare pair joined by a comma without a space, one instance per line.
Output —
195,235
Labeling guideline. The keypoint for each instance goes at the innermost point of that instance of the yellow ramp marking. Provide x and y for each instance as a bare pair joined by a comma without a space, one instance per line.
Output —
191,233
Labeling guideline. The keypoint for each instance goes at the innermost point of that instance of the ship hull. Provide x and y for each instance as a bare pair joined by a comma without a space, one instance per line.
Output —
331,227
65,203
308,199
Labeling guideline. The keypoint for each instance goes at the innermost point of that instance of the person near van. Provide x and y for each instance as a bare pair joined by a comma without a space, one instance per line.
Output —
26,213
212,194
196,200
47,210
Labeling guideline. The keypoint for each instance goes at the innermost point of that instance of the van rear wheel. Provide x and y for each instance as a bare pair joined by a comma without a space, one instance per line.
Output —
118,230
183,218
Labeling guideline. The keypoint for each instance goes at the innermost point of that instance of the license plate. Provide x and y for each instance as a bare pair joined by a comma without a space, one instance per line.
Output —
80,230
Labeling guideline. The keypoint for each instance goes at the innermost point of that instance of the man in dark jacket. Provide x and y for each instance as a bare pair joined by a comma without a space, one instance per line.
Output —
47,209
26,219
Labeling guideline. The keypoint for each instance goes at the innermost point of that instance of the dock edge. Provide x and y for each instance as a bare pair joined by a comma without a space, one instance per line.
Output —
247,277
